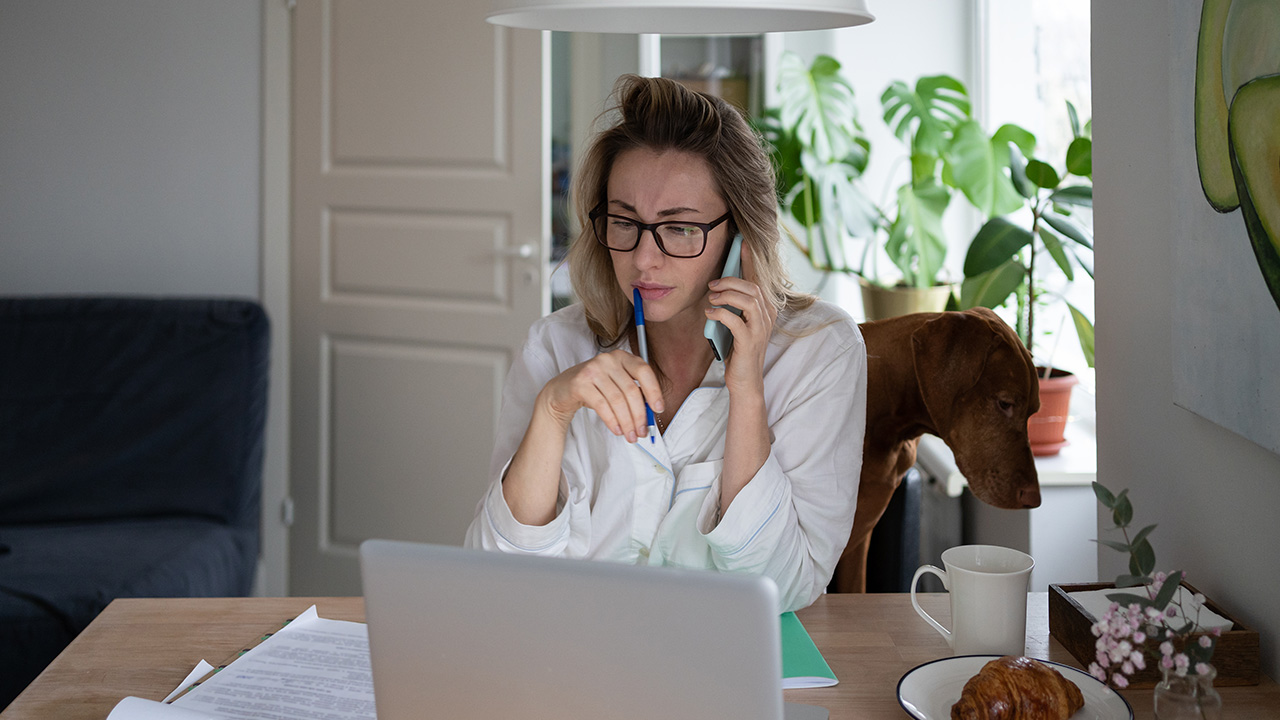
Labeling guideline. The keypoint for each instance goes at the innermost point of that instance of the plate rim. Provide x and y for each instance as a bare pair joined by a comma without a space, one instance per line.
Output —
903,705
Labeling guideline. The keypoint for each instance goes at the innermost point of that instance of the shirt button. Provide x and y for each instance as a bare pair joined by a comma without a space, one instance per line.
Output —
644,552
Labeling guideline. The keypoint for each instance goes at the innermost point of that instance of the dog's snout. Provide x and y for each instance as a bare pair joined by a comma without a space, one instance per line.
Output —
1029,497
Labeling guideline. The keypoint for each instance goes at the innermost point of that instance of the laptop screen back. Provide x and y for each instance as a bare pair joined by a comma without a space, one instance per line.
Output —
460,634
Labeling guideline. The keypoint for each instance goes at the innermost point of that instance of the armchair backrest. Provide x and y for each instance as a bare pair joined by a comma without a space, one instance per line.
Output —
117,407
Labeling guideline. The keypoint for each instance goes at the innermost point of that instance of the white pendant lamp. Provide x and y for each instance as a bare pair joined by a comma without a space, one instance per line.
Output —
679,17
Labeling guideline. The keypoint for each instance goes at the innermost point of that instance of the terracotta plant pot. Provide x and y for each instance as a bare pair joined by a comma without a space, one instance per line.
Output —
880,303
1046,428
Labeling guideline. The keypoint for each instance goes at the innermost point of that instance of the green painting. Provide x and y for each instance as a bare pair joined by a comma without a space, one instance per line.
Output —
1224,147
1237,120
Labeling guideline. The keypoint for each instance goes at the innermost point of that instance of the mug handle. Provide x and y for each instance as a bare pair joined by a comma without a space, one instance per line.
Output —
942,575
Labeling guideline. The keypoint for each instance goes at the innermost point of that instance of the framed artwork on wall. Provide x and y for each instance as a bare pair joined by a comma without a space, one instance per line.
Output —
1225,150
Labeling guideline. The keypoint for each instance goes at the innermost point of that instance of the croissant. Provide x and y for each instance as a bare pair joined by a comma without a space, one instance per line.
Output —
1017,688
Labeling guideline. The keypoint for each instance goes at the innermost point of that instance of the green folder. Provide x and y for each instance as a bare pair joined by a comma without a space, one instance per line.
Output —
802,665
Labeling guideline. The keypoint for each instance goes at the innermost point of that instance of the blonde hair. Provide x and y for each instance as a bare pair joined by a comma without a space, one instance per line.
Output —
660,114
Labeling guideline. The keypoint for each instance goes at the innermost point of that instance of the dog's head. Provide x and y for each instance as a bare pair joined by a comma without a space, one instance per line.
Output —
979,386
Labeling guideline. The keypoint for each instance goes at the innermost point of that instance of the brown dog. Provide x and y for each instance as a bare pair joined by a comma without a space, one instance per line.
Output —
963,376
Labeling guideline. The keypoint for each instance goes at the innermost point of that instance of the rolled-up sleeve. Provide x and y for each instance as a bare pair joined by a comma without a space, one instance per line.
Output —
494,527
792,520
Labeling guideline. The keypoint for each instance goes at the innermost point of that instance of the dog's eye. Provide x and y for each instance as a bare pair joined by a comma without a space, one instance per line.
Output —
1005,406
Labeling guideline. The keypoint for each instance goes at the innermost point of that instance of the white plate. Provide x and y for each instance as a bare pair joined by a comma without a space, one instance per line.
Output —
928,691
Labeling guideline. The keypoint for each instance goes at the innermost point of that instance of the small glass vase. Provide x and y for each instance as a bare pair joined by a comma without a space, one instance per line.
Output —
1189,697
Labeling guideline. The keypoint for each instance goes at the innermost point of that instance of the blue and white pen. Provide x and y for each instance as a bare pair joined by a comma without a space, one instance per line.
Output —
644,355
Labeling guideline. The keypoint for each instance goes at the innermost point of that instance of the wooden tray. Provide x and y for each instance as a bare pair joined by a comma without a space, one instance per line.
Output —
1236,657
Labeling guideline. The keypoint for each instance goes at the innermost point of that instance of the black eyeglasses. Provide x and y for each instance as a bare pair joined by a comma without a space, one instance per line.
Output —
676,238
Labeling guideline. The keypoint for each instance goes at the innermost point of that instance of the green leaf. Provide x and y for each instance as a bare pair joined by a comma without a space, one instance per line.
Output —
996,242
1019,136
1128,581
1075,119
1086,265
1042,174
1080,157
1018,174
977,166
1145,555
817,106
991,289
1068,228
1122,513
923,167
1167,590
1054,246
859,157
1126,599
928,114
1104,495
1084,331
1079,195
1115,545
916,243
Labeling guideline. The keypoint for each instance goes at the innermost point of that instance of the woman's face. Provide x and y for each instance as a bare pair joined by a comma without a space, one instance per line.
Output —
651,187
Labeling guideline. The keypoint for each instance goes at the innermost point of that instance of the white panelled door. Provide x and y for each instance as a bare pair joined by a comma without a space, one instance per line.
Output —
420,213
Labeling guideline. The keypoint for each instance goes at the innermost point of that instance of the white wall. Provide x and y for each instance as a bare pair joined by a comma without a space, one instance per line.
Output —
130,147
1214,494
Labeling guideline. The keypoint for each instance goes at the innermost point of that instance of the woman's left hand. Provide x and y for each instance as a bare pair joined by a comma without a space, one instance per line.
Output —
751,332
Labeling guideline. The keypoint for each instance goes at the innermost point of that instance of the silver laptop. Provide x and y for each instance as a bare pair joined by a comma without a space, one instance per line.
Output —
456,633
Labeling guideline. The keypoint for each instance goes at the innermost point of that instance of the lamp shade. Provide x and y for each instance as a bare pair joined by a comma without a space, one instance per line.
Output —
679,17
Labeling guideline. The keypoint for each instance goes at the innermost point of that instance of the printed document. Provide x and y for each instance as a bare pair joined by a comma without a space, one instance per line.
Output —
312,669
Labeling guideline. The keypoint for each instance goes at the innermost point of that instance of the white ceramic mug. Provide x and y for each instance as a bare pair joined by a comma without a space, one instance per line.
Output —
988,587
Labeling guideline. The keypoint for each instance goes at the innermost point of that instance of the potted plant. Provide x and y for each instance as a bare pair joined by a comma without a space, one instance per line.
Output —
1007,261
821,153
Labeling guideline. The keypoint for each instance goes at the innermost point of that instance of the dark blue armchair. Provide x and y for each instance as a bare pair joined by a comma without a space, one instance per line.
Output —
131,443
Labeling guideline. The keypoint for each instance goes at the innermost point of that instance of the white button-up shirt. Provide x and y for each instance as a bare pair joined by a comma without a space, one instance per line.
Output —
656,503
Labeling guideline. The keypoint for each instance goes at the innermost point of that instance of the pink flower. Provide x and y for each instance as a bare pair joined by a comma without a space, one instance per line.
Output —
1119,680
1202,668
1166,662
1205,641
1166,648
1139,637
1138,660
1170,611
1097,672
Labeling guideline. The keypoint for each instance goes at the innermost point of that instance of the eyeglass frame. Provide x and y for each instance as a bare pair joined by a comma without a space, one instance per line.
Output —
706,229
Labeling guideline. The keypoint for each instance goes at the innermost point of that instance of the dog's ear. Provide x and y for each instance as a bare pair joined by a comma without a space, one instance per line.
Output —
950,353
1006,335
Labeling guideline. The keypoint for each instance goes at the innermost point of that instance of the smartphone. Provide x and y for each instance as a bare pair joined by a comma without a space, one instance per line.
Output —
716,333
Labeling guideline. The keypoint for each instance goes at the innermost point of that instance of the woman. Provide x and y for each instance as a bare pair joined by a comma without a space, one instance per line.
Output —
755,464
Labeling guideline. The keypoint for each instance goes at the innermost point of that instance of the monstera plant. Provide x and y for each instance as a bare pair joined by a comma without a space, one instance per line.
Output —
821,152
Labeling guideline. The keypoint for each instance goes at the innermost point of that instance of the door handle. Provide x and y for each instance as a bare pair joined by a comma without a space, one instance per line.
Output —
523,250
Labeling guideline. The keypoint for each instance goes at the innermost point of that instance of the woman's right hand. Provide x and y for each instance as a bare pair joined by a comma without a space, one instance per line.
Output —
614,384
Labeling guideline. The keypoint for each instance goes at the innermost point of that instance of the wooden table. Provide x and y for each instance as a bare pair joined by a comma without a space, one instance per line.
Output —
145,647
